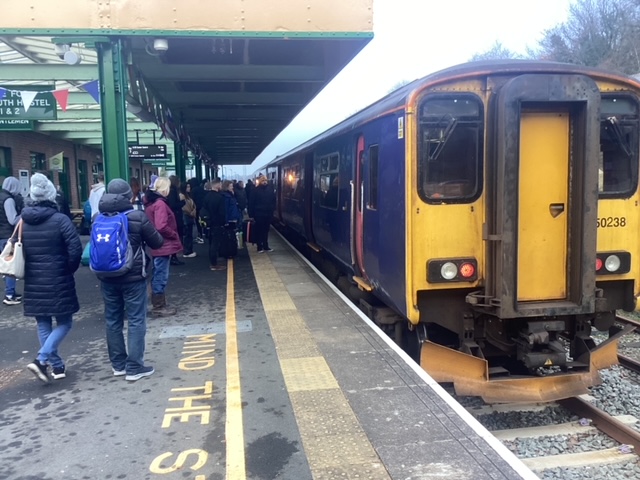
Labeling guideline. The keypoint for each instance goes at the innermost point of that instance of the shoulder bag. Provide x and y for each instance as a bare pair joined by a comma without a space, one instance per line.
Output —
12,256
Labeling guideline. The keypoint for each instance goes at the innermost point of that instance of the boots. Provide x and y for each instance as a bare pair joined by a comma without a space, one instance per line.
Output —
160,308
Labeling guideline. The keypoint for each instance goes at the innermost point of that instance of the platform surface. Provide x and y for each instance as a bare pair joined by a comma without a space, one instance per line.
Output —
264,373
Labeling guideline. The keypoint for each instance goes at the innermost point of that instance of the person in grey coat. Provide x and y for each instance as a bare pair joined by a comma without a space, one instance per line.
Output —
52,251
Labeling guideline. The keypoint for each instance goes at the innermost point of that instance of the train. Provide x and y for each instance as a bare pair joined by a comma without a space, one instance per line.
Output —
486,216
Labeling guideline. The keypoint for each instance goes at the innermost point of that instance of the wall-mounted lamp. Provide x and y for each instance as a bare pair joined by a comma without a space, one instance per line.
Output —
161,44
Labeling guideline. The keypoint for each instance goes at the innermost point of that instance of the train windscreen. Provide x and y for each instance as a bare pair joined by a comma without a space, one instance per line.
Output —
450,148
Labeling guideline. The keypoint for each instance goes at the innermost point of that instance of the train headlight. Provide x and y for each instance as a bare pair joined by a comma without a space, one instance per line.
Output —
449,271
612,263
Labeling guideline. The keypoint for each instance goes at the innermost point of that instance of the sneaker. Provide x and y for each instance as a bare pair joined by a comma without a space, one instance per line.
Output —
58,373
175,261
216,268
14,300
144,372
118,373
190,255
268,250
39,370
199,240
260,251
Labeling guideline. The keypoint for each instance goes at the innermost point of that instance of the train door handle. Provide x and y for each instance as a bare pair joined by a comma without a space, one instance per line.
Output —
556,209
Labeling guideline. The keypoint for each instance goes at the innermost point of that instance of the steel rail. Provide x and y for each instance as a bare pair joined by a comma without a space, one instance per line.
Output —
604,422
627,320
630,363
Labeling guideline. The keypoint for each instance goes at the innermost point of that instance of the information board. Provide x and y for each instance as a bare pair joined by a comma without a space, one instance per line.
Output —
147,151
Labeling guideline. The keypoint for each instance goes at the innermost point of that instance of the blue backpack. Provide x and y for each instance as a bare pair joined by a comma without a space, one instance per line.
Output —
111,254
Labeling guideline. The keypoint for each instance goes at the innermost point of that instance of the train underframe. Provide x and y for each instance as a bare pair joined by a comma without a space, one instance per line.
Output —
542,358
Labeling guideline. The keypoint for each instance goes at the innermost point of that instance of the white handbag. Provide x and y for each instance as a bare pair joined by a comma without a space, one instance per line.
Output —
12,256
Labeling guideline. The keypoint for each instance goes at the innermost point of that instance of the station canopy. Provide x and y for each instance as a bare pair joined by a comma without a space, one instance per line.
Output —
229,96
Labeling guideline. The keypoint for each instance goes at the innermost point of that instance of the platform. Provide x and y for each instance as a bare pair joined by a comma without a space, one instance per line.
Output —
277,378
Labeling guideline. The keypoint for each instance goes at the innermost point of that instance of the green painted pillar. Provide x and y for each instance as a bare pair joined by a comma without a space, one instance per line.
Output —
180,161
113,90
198,163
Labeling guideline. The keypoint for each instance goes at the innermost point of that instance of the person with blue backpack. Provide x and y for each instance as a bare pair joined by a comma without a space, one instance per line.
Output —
118,238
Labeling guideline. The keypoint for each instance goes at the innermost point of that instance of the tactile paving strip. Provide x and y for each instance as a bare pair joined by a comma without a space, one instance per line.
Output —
334,442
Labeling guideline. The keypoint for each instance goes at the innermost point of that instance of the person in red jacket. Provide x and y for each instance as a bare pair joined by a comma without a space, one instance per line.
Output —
161,216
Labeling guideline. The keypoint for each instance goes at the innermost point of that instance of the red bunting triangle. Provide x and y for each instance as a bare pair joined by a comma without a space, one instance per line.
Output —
62,97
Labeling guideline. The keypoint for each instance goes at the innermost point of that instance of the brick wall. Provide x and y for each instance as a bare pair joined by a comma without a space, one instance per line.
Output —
21,144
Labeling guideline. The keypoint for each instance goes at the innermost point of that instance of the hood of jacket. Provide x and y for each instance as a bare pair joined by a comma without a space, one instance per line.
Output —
114,202
11,185
38,213
97,186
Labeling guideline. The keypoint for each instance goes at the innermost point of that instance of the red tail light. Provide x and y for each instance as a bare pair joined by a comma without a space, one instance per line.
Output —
467,270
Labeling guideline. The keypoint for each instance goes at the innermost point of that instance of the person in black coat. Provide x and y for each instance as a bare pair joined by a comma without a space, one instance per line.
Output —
52,251
128,292
173,199
197,193
214,207
262,203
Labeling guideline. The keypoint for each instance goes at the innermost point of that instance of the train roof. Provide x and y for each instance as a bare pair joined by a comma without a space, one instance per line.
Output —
398,97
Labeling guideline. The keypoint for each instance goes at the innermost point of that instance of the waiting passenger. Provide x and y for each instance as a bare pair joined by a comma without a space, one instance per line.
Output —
10,201
52,251
215,220
97,191
127,293
164,220
262,203
188,220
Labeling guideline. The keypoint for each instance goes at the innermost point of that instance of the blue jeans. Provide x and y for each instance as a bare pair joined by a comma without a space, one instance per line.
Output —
51,338
9,282
132,299
160,276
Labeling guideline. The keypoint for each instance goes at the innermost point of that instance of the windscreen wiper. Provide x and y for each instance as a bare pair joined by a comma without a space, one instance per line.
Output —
613,127
444,137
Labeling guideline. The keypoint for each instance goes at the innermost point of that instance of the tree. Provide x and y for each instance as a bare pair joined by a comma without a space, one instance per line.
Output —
598,33
496,52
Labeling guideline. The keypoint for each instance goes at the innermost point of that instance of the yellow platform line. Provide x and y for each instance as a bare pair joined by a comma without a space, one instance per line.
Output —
333,439
234,434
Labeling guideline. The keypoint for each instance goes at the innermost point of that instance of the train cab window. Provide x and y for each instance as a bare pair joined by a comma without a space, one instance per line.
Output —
618,162
450,148
327,180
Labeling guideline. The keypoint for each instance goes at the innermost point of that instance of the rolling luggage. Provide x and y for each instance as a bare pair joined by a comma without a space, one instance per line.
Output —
247,231
228,244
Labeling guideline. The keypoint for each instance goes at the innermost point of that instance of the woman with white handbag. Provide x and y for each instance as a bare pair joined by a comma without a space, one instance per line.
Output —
52,251
10,203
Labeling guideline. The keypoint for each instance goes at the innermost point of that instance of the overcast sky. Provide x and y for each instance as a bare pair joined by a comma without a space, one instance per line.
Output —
413,38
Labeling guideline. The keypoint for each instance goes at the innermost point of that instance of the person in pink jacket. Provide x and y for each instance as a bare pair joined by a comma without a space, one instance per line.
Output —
161,216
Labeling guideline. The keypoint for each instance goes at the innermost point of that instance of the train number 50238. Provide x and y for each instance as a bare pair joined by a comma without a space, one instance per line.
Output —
612,222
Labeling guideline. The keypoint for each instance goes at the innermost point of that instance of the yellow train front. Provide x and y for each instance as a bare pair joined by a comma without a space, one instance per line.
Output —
523,228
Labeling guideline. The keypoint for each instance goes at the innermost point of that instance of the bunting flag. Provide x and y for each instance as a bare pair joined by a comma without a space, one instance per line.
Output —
3,92
62,97
93,89
27,97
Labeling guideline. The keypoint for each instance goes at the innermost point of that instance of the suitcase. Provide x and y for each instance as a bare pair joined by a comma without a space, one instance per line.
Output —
228,244
247,231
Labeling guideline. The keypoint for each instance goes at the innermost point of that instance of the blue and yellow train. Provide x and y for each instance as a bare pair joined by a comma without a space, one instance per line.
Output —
493,209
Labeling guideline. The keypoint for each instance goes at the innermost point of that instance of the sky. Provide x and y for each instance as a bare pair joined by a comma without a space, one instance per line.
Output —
413,38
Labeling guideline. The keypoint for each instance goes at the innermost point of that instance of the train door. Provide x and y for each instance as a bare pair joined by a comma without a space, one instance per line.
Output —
542,214
357,219
307,177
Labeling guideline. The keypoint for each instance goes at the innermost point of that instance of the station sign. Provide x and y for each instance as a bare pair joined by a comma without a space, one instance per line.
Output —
159,162
16,124
43,106
147,152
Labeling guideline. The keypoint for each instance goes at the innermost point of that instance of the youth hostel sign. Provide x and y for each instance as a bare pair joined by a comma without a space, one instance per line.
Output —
43,106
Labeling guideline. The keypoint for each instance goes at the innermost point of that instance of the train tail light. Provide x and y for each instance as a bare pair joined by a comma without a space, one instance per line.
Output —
613,263
452,270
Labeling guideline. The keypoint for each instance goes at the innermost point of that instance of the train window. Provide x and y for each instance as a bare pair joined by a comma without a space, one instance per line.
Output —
450,148
372,204
292,183
327,180
618,162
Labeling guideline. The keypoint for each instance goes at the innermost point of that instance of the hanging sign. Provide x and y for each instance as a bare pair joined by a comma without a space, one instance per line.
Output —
16,124
27,102
147,151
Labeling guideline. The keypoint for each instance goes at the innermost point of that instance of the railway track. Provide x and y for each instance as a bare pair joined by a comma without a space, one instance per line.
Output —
592,420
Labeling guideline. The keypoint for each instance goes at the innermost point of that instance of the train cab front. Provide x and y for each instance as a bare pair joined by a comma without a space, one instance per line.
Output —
548,226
